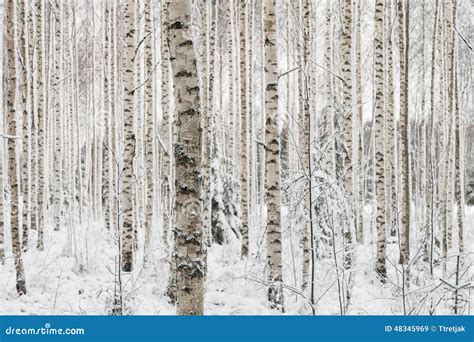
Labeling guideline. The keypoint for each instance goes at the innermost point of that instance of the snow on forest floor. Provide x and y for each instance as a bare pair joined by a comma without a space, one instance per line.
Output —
61,282
77,278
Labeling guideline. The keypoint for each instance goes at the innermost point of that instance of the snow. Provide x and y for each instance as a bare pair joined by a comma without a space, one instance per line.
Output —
78,279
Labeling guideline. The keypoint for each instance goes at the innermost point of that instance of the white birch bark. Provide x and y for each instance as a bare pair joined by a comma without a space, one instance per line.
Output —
380,266
40,106
458,160
391,204
244,150
188,232
328,90
207,58
272,161
449,185
150,122
166,188
127,177
13,157
58,117
107,192
346,62
403,16
428,244
23,30
360,132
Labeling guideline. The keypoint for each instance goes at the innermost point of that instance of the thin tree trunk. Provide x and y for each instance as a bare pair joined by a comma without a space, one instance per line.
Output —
346,63
272,161
166,188
346,68
107,198
150,122
127,178
244,150
12,155
391,202
23,30
360,120
40,106
57,103
380,266
207,57
305,139
329,112
449,185
403,17
430,193
458,188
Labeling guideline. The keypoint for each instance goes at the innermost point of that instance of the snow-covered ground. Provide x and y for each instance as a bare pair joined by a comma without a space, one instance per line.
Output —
77,277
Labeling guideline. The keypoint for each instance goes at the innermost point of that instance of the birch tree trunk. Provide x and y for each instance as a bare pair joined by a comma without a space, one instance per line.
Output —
305,145
391,204
449,185
127,179
458,188
230,117
244,150
207,58
431,163
272,161
12,155
403,13
165,125
107,191
329,112
346,62
189,251
40,106
360,121
23,30
380,266
150,122
57,100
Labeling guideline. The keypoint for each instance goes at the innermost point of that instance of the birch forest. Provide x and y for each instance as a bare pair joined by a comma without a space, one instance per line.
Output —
235,157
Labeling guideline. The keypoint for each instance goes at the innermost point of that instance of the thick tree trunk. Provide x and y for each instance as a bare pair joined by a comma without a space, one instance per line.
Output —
189,251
